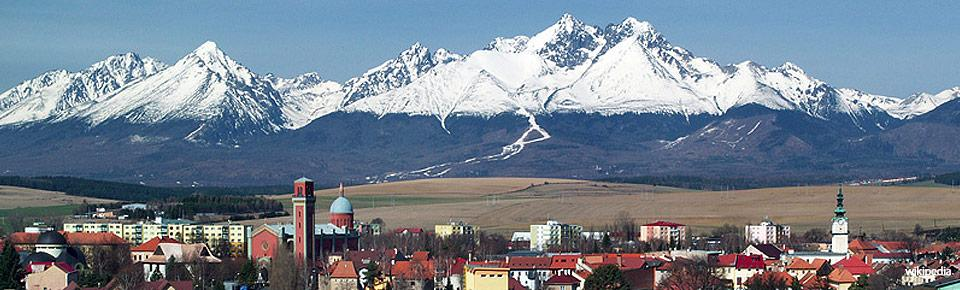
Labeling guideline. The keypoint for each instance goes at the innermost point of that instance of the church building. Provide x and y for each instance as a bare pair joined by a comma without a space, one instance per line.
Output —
308,246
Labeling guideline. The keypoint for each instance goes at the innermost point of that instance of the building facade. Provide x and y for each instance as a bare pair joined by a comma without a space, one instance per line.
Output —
553,234
453,228
767,232
662,230
138,233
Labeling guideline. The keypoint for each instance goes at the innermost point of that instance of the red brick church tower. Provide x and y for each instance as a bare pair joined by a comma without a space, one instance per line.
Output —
341,211
303,213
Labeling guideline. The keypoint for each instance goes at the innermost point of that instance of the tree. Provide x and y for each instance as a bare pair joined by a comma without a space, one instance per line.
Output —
10,270
861,284
731,238
372,275
285,273
606,277
816,235
771,281
248,273
692,275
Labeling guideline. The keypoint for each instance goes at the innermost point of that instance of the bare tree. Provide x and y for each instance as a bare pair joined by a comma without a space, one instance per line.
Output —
692,275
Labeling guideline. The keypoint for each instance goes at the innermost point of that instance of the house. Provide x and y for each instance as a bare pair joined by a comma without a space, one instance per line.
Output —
417,273
454,228
800,268
145,250
768,251
638,269
185,254
85,243
408,231
564,264
483,276
737,268
50,247
343,276
513,284
668,232
453,274
50,275
856,266
530,272
562,282
841,279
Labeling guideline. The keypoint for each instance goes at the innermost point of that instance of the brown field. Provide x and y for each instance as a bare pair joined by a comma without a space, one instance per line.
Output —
14,197
507,204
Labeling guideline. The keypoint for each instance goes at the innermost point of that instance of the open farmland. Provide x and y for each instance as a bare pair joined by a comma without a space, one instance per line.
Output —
507,204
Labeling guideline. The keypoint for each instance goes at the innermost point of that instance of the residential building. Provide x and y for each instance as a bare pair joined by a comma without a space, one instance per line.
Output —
453,228
767,232
143,251
768,251
343,276
520,240
417,273
737,268
138,233
669,232
485,277
530,272
185,254
50,275
562,282
553,234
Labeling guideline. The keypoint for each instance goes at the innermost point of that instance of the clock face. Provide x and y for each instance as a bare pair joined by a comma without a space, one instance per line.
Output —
842,222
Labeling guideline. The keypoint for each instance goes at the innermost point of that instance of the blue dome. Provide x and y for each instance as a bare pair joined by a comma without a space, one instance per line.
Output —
341,205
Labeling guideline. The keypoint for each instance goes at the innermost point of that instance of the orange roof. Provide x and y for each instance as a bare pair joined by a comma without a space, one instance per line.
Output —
564,262
528,263
72,238
151,245
859,246
343,269
421,256
819,263
422,270
841,275
800,264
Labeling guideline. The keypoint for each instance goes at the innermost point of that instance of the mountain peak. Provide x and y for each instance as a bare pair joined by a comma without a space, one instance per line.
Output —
636,26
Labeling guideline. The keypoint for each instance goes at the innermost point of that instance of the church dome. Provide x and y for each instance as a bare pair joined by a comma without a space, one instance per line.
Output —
51,238
341,205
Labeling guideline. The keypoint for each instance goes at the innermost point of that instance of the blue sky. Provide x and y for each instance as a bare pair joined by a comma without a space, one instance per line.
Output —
884,47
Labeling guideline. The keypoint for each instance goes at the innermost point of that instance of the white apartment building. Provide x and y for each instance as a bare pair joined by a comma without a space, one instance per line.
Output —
553,233
767,232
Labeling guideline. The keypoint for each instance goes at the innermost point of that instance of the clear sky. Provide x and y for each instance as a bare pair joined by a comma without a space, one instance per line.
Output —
884,47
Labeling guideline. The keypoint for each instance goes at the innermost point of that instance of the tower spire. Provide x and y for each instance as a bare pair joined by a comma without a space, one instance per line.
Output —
341,188
840,212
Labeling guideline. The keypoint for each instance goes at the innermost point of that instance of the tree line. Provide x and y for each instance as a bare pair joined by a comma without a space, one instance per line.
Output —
126,191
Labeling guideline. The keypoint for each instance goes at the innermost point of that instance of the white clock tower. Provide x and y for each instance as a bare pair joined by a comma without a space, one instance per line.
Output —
840,229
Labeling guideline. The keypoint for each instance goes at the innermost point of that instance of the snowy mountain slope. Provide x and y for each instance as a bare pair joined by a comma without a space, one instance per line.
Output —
205,86
394,73
56,93
921,103
306,97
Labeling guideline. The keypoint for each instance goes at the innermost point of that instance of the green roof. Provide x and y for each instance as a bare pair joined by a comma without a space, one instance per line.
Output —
303,179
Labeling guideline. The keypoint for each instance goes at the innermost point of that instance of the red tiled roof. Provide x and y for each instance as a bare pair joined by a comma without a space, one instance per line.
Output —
562,280
800,264
741,261
72,238
528,263
563,262
420,270
344,270
855,266
151,245
457,267
421,256
663,224
841,275
892,246
858,246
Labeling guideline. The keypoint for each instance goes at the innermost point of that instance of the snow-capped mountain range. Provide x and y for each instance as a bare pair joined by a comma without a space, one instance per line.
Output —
572,101
570,66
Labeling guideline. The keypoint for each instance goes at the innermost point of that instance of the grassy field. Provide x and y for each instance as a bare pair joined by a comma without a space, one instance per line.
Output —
508,204
33,203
